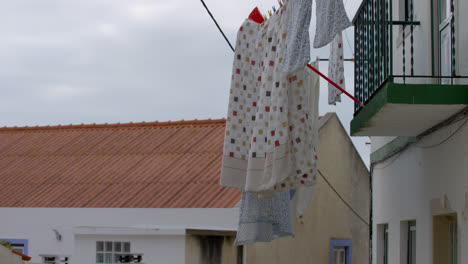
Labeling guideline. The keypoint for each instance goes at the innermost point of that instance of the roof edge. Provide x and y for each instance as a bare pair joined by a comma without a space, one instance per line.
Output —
120,125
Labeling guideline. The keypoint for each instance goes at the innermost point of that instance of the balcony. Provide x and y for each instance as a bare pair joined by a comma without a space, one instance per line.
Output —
397,74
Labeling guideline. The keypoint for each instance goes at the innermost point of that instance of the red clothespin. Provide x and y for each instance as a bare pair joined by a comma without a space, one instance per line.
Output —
280,3
256,16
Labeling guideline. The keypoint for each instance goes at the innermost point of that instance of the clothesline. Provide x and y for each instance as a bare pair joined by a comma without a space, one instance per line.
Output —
350,60
308,65
334,84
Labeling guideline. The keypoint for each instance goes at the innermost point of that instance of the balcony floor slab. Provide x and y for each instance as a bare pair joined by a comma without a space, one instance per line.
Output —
408,109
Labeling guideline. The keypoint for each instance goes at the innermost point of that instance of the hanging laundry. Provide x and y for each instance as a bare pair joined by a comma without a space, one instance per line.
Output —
331,19
263,220
313,94
304,195
336,69
268,140
298,39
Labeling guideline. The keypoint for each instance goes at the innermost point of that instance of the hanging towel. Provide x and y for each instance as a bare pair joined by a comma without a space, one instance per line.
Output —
297,53
268,140
336,69
313,94
331,19
263,220
304,195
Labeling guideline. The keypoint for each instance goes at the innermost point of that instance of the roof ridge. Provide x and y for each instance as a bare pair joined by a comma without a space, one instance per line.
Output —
119,125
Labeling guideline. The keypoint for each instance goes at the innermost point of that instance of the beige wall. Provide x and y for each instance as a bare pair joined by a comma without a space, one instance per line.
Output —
328,217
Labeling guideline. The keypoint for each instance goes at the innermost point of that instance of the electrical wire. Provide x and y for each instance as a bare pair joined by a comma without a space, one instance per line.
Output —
399,154
349,44
216,23
346,35
446,139
343,200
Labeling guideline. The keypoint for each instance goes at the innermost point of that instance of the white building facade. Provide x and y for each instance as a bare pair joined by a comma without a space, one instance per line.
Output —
411,68
100,235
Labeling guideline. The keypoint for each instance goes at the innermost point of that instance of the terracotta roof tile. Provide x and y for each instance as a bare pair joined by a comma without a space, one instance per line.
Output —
135,165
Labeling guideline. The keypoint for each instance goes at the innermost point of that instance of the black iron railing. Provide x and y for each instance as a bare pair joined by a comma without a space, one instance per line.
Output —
374,48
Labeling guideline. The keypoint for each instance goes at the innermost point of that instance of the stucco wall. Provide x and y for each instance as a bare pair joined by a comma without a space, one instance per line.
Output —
327,217
152,231
405,184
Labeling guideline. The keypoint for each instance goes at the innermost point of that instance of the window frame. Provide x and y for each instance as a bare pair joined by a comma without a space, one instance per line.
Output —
341,243
385,249
453,244
113,253
443,26
410,250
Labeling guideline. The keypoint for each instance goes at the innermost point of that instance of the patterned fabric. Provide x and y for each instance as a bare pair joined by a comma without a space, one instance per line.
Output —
313,93
304,195
268,140
331,19
336,69
298,41
263,220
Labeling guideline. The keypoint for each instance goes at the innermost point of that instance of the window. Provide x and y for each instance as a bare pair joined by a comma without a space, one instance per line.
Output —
411,242
445,238
19,245
382,244
445,39
385,249
211,249
453,242
240,255
340,251
110,251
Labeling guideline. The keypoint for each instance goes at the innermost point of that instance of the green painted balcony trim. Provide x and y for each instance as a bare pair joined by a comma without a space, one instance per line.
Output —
390,148
395,93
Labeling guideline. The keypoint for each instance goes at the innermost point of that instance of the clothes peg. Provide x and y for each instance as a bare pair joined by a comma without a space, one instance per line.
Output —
274,9
270,13
265,17
280,3
256,16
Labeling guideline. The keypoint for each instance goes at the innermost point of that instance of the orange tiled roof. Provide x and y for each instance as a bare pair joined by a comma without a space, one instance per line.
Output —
135,165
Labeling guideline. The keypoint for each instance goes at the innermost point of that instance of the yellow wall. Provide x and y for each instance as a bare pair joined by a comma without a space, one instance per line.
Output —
328,217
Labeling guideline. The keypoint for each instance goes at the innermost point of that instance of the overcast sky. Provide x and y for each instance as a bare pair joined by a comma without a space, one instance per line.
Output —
108,61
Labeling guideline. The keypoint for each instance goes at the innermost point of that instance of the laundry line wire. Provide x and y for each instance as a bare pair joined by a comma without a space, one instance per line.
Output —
346,35
334,84
308,65
217,25
342,199
447,138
